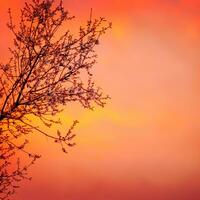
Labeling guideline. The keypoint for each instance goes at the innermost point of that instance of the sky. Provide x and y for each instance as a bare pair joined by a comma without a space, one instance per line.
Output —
145,144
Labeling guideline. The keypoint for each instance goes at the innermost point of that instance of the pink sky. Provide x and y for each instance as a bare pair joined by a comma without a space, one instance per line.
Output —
145,144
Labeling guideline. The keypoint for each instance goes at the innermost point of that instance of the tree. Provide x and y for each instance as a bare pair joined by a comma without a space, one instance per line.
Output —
46,71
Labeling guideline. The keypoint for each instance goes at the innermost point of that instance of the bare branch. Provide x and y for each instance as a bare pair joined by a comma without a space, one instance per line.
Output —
47,70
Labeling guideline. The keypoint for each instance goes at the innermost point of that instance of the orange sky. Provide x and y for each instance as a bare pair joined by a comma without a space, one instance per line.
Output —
145,144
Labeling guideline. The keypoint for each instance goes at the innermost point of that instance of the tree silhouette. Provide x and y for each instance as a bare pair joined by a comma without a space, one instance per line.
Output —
46,71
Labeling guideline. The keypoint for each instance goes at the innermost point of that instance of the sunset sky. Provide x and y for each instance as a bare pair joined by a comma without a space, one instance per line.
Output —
145,144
